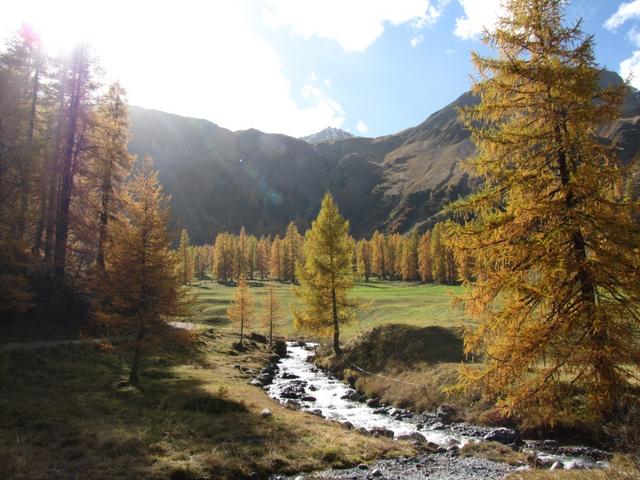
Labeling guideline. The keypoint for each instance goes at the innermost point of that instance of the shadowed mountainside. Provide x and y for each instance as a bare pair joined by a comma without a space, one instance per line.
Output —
220,180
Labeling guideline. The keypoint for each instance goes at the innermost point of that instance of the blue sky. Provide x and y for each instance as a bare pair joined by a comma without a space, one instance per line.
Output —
373,67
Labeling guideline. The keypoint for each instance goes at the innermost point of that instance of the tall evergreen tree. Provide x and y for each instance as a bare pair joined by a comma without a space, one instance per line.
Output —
557,289
326,275
424,258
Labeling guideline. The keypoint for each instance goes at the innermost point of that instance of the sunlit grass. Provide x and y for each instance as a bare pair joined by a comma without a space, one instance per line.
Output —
381,302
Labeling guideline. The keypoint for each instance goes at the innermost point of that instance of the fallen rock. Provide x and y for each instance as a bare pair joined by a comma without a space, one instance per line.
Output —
363,466
289,376
376,472
266,413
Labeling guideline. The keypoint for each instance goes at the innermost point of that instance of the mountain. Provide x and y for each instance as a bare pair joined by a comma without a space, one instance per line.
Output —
220,180
329,134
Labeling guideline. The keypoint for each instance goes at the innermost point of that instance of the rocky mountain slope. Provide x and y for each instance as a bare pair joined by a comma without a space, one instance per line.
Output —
221,180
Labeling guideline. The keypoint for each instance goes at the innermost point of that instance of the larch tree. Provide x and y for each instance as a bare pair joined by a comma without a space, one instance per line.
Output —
326,276
275,262
241,308
292,252
140,287
363,259
557,283
111,159
79,89
424,258
377,254
272,313
185,258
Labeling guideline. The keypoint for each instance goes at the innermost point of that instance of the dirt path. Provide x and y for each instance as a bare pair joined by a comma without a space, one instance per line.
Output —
9,347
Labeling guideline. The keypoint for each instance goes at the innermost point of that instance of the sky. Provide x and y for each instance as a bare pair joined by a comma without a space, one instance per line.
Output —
372,67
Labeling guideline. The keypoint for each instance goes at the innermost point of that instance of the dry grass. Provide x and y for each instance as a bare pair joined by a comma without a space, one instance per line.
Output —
197,417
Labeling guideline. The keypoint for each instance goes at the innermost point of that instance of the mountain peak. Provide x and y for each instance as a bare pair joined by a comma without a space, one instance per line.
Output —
329,134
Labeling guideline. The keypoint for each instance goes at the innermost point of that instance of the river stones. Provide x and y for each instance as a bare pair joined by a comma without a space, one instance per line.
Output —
289,376
294,390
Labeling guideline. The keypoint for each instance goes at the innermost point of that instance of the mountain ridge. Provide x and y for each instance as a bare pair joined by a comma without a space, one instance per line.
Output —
222,180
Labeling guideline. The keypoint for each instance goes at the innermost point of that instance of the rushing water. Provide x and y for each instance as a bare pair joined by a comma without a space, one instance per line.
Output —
327,395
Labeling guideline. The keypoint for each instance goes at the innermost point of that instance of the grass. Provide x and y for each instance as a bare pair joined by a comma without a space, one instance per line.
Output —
62,412
382,302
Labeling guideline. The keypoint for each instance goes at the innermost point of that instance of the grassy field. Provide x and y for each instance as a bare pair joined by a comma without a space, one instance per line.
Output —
64,415
382,302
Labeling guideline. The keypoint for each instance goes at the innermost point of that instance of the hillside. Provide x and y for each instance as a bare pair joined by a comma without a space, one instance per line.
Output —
221,180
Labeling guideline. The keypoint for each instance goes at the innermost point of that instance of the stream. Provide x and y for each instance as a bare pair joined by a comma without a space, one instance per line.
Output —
298,382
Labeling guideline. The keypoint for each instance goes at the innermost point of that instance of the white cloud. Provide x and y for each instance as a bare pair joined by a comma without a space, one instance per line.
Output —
192,58
626,11
328,82
416,39
478,15
630,69
362,127
353,24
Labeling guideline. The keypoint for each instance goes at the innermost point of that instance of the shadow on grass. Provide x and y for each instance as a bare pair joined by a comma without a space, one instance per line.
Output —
62,410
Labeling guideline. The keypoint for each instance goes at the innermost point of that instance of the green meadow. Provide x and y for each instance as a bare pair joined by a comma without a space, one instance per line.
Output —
379,302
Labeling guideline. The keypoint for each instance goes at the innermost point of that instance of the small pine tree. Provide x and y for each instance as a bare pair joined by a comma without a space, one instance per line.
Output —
326,275
241,308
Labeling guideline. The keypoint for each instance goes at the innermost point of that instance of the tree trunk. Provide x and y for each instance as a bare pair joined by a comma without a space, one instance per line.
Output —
62,217
134,377
336,325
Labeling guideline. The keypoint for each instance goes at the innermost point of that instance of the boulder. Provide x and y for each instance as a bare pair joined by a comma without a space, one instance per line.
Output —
381,432
412,437
289,376
266,413
557,466
446,413
363,466
373,402
280,348
317,412
256,337
506,436
376,473
308,398
256,382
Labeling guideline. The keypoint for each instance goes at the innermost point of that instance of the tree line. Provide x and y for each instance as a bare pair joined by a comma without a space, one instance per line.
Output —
423,257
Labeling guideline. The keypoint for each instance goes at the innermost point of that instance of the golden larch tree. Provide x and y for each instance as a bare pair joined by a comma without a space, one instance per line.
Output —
241,308
555,249
140,289
272,313
326,276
